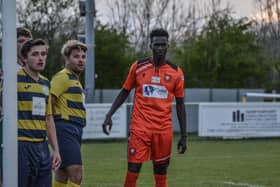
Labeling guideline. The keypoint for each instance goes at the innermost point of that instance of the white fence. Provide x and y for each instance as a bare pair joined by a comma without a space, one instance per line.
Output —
239,120
228,120
95,117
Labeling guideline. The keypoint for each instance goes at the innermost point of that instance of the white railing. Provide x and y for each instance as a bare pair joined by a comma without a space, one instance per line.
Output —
263,95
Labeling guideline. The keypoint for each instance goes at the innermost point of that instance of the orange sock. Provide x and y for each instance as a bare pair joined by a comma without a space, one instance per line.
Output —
161,180
130,179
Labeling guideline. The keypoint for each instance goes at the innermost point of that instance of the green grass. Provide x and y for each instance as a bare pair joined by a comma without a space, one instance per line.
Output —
207,163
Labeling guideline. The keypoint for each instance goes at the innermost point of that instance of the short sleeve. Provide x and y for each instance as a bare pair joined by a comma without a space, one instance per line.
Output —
58,85
179,87
131,78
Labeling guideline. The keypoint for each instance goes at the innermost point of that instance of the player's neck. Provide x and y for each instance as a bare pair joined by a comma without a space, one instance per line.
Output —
158,61
69,69
33,74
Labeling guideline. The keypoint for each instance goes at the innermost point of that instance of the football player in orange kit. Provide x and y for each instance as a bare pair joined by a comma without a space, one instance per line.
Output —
156,82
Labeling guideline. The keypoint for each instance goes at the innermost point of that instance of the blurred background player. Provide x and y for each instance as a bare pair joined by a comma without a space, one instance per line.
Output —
35,120
23,34
70,114
156,82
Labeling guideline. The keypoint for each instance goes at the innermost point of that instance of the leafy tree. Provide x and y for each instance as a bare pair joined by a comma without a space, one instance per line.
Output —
59,21
136,18
113,57
267,28
224,55
53,21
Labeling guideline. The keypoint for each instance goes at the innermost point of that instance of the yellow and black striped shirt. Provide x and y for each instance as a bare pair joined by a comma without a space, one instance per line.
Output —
33,106
65,85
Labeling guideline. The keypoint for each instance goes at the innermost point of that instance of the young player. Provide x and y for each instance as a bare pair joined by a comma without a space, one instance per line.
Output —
35,120
70,115
156,82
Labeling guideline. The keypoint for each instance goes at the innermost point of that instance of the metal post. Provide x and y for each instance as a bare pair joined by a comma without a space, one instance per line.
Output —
244,98
9,52
90,41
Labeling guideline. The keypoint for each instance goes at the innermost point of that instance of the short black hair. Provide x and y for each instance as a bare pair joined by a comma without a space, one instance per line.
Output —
22,31
26,47
159,32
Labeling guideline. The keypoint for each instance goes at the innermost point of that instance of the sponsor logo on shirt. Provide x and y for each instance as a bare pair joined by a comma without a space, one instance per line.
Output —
155,91
155,79
45,90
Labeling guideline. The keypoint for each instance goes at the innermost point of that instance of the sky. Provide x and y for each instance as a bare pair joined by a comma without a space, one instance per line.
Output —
242,8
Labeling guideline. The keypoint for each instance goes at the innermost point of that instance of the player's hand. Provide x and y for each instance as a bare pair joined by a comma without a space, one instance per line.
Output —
182,145
107,125
56,161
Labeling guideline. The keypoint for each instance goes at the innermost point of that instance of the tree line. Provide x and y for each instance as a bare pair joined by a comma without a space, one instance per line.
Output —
214,48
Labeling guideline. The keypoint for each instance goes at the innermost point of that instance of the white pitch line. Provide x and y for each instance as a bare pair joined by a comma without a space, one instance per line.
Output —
242,184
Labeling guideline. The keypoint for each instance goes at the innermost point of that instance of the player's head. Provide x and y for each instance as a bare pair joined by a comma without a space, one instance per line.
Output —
23,34
34,54
74,53
159,42
22,31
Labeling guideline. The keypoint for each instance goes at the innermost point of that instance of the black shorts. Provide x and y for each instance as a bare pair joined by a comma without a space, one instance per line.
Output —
34,164
69,137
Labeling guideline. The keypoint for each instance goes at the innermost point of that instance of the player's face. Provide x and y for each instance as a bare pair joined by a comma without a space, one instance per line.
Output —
36,58
159,46
76,61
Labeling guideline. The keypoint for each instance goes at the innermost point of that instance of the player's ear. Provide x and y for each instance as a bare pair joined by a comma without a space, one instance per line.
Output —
24,60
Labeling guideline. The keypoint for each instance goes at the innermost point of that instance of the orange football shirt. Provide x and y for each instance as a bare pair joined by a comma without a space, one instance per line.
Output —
155,88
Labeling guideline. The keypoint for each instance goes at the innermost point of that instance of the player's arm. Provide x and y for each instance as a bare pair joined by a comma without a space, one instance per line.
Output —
57,87
51,132
127,86
181,114
53,102
107,124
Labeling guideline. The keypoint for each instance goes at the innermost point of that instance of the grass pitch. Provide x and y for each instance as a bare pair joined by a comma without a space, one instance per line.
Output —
207,163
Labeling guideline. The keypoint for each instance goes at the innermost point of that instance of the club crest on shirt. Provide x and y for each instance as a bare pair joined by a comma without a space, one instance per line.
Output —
27,86
167,78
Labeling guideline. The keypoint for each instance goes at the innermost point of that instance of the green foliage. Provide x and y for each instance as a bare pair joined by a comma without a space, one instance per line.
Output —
113,57
58,21
55,59
53,21
224,55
